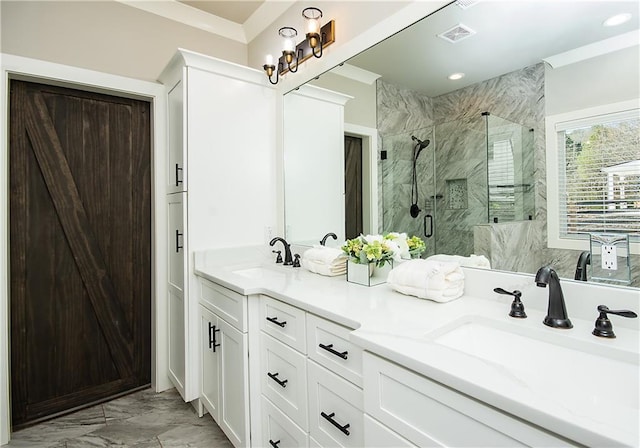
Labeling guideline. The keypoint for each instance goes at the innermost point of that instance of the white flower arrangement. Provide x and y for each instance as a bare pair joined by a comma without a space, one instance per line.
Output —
380,249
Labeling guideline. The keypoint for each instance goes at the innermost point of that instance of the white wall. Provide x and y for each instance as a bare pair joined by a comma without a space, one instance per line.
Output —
610,78
105,36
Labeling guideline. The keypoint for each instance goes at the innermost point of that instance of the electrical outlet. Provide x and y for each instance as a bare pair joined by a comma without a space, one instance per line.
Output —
609,258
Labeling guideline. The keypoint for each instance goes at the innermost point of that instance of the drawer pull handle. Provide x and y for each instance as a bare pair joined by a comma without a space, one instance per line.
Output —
274,377
330,349
274,444
274,320
344,429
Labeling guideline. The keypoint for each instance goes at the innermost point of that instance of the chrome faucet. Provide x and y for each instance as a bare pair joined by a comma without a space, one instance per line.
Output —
323,241
557,310
288,259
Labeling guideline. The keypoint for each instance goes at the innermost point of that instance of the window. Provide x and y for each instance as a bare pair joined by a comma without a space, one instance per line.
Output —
597,177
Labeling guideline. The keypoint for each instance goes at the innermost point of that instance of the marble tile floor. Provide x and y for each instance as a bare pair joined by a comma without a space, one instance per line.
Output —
144,419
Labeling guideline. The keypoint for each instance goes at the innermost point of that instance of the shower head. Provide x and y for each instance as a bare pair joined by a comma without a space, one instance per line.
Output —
421,144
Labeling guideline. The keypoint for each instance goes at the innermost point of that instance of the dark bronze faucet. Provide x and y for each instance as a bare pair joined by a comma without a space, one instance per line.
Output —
557,310
288,259
323,241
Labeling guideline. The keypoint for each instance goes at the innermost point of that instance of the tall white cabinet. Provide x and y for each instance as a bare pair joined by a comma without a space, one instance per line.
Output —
220,181
314,163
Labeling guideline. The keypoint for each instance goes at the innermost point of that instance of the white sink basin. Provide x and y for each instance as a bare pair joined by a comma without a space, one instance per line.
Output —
258,273
549,361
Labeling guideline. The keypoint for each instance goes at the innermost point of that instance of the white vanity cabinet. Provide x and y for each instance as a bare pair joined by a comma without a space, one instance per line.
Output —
224,360
213,106
310,380
430,414
282,375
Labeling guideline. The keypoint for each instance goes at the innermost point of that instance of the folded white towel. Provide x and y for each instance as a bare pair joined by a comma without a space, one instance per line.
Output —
433,280
324,260
472,261
325,255
324,269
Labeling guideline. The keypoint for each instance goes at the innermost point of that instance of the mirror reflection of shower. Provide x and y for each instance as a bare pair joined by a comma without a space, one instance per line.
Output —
414,210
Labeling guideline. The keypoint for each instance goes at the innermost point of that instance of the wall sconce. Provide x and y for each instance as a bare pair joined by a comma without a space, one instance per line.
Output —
317,38
312,16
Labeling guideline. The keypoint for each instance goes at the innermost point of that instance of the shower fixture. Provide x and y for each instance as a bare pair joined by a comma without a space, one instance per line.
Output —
414,210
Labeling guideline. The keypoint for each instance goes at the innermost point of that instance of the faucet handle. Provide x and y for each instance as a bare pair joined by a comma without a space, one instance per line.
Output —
279,256
604,328
517,307
296,260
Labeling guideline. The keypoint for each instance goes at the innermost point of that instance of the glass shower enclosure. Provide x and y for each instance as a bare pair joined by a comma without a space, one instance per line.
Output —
476,170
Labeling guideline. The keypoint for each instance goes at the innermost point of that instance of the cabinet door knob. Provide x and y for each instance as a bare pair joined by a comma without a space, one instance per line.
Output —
274,444
274,320
330,349
274,377
329,418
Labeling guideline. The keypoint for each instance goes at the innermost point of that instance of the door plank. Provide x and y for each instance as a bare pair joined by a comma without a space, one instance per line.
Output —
73,217
18,265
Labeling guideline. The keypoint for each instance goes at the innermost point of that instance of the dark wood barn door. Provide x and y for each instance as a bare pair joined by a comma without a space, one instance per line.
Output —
80,235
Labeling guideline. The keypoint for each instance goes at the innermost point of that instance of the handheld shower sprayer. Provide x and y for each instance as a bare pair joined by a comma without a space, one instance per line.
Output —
414,210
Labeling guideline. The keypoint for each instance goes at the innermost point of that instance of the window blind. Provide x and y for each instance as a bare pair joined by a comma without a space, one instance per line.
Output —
599,167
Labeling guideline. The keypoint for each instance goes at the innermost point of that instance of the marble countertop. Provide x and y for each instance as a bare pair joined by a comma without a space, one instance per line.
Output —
403,329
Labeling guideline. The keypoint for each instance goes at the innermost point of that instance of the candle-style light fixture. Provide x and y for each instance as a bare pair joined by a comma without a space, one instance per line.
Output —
289,50
318,37
312,18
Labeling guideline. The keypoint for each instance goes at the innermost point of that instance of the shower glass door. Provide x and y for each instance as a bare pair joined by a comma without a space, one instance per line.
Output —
396,185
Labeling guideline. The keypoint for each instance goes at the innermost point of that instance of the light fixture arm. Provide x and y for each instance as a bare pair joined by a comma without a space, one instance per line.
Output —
318,40
270,69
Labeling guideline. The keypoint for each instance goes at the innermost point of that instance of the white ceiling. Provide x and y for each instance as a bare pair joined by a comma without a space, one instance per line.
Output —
509,35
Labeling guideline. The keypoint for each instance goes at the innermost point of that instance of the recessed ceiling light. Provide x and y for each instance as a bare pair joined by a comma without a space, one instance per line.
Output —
618,19
455,76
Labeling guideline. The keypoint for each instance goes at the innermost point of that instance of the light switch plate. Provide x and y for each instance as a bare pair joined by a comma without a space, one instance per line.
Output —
609,257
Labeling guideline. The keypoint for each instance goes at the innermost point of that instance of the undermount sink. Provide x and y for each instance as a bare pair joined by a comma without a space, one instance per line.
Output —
548,361
258,273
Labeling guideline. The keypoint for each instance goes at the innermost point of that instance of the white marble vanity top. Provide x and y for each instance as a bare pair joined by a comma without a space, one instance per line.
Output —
598,407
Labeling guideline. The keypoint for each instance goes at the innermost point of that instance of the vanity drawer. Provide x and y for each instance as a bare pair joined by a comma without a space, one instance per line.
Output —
229,305
284,378
279,430
335,409
376,435
432,415
328,344
284,322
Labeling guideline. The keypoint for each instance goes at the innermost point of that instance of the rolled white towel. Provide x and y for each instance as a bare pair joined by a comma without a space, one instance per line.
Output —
433,280
472,261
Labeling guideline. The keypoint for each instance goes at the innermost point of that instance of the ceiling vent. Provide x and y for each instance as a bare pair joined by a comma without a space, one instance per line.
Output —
457,33
464,4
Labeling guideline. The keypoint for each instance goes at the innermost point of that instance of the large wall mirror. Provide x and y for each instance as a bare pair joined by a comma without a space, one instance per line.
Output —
444,132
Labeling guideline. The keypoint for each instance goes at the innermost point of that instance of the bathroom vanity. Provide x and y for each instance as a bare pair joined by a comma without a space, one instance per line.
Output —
318,361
